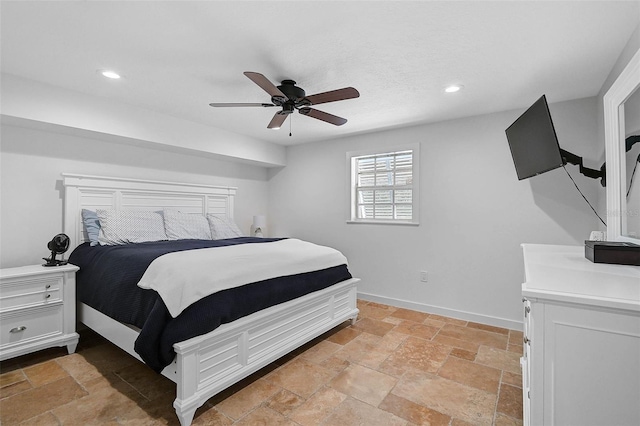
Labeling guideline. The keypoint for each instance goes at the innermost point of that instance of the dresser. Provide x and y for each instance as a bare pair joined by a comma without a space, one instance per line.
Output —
37,309
581,357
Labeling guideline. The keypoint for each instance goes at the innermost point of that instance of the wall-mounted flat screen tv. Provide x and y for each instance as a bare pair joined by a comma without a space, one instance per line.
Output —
533,141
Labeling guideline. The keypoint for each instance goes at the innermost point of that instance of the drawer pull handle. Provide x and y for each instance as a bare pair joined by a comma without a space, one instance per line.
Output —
48,296
18,329
47,286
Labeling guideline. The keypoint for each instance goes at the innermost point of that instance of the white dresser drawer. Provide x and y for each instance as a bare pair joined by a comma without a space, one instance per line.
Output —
30,291
30,325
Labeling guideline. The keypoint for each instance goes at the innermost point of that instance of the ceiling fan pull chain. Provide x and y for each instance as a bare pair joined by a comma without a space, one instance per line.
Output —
290,120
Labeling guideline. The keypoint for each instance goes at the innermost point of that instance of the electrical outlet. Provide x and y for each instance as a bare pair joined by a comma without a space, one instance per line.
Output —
423,276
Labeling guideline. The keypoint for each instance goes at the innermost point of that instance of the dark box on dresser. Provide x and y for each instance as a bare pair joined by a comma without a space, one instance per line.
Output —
621,253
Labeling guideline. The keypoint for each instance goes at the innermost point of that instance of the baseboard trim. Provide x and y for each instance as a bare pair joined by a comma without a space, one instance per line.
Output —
452,313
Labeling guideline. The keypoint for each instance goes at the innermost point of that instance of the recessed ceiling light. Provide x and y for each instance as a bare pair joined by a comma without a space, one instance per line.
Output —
110,74
453,88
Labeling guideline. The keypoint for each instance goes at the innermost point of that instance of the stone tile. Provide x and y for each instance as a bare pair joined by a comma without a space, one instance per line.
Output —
248,398
15,388
301,377
44,373
11,377
46,419
512,379
284,402
392,320
502,420
456,343
390,341
375,311
364,384
500,359
344,336
146,381
36,401
448,397
208,416
416,329
407,314
109,400
420,354
95,361
489,328
321,351
458,422
13,382
315,409
335,364
471,374
364,350
515,348
463,354
414,413
510,401
515,337
448,320
481,337
434,322
354,412
373,326
264,416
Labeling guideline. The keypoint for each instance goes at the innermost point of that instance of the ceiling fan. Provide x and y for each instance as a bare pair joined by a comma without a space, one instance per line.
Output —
291,97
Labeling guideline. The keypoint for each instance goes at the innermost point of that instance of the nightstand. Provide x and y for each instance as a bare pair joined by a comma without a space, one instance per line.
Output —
37,309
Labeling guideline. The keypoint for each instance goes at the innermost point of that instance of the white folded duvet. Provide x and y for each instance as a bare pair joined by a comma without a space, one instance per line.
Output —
184,277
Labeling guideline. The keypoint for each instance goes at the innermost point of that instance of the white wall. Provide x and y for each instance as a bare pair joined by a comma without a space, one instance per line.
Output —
31,192
474,212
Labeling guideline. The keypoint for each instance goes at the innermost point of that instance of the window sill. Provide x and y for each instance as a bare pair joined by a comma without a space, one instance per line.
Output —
382,222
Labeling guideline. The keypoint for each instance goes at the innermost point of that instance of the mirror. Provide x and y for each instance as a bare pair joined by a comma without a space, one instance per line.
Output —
631,221
623,214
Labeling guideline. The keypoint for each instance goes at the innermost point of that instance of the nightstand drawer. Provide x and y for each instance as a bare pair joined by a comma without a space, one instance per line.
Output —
30,291
30,325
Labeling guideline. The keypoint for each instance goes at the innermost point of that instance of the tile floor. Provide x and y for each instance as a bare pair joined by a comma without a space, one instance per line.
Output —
393,367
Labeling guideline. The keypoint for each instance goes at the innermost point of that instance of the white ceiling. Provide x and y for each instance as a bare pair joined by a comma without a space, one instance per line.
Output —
176,57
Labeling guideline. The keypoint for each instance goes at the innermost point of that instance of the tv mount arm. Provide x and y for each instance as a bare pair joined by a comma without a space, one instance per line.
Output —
568,157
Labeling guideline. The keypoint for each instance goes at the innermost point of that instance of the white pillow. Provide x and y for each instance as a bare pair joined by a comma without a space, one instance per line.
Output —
186,226
130,226
223,227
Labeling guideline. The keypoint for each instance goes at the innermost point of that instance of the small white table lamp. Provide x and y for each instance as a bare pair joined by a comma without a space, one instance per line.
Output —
259,224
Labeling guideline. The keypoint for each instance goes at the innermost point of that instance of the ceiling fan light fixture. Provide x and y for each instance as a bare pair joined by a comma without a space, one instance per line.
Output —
453,88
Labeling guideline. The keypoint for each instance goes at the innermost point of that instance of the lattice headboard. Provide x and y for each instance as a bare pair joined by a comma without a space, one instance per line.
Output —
99,192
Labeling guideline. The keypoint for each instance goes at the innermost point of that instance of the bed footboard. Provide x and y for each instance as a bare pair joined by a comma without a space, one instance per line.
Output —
208,364
235,350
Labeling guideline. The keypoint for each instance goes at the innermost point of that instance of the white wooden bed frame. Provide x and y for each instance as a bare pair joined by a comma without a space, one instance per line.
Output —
207,364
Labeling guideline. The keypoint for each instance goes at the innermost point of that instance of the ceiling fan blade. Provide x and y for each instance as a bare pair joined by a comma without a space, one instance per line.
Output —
277,120
240,105
324,116
333,95
264,83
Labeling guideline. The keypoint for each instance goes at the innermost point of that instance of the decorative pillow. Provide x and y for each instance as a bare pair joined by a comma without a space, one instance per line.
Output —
186,226
223,227
91,226
130,226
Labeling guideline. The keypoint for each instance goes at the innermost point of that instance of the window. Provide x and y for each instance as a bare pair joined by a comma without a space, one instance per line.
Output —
384,186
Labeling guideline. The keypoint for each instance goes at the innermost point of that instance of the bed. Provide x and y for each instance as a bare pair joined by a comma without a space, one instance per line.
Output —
205,364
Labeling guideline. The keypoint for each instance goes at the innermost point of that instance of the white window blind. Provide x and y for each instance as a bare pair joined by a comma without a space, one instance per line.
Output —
383,187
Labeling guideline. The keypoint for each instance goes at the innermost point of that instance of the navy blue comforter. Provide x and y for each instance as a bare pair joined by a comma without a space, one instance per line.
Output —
107,282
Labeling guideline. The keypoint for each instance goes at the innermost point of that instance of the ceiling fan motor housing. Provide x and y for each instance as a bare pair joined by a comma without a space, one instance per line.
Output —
295,97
